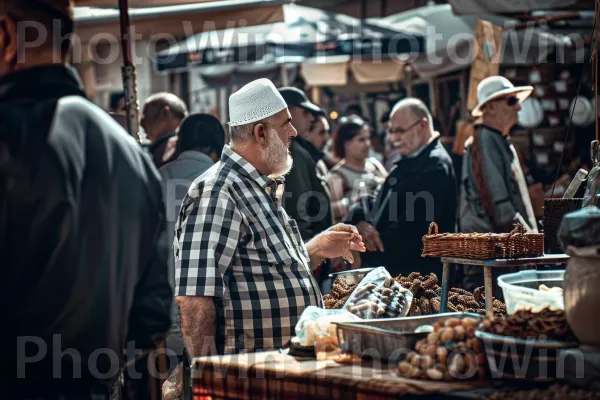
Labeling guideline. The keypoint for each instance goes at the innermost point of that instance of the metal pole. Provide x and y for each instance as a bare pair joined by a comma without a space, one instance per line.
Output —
445,287
128,73
489,287
284,75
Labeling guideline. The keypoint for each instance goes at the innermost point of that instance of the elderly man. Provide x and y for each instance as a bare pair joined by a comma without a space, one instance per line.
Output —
243,273
306,197
161,116
421,188
494,193
82,213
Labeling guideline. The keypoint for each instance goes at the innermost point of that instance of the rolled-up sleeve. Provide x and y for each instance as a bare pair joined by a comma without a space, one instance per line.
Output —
206,238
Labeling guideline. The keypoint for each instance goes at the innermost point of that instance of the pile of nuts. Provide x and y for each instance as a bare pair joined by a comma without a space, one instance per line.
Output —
554,392
340,292
547,324
450,351
427,294
386,300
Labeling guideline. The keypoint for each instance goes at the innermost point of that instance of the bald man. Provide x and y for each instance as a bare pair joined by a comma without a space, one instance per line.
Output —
161,116
81,209
420,189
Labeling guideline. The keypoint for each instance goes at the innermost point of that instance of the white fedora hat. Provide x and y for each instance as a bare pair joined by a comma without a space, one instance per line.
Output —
493,87
255,101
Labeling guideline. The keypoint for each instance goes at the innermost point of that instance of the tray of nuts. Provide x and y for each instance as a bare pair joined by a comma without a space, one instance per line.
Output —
527,345
450,352
390,339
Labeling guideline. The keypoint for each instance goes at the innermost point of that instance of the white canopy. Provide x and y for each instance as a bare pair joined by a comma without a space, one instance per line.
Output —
449,39
468,7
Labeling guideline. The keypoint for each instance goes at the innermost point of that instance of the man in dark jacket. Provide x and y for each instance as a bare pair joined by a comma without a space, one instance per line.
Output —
81,214
305,198
420,189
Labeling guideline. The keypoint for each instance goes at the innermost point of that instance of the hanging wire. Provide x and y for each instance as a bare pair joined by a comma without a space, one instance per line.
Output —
594,62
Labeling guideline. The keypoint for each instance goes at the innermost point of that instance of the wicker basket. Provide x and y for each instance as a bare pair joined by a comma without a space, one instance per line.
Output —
554,211
483,246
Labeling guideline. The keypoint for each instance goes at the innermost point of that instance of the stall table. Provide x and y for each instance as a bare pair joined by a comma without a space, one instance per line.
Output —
274,375
548,259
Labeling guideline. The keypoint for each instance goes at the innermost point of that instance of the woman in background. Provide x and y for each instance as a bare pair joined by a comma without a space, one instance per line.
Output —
356,174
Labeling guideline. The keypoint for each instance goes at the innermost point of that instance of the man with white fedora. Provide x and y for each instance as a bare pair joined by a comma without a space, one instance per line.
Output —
243,275
494,194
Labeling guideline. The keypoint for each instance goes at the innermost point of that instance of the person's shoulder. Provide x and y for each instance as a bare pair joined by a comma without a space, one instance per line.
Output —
375,166
79,114
301,154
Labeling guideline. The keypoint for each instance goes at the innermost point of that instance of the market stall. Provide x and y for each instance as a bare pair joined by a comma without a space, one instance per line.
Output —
387,337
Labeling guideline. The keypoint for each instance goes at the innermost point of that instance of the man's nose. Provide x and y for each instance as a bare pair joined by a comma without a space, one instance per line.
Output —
518,107
293,132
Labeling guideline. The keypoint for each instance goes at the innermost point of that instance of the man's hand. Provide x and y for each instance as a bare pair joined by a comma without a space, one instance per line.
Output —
370,236
337,241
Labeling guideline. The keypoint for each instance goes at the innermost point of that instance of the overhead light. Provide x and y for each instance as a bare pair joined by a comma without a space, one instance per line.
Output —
333,115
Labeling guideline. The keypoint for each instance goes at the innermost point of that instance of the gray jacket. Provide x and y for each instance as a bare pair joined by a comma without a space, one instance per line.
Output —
506,187
178,176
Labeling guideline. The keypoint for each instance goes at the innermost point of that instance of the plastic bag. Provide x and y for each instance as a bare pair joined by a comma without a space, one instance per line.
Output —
316,322
378,295
592,190
580,228
172,388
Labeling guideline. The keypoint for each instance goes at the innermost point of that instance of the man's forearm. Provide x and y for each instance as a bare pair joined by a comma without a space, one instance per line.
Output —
198,325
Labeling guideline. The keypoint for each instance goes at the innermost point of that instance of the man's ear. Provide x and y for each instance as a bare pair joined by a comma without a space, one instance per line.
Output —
260,133
8,39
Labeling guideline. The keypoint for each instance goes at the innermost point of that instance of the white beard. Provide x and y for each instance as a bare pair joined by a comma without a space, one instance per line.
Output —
276,155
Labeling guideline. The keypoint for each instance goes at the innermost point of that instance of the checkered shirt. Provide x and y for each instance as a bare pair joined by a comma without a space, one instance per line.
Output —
234,243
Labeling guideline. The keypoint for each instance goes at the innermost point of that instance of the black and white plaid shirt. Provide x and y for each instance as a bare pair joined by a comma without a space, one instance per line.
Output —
237,245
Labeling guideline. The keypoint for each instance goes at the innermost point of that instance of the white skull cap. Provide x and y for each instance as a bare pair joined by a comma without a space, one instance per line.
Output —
255,101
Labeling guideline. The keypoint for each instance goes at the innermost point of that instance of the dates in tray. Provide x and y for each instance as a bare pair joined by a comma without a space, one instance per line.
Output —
385,300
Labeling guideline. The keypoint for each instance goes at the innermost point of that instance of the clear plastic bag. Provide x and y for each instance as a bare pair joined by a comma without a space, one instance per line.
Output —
172,388
379,296
592,190
316,323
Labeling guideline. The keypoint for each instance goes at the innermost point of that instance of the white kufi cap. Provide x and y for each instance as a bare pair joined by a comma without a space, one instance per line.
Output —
255,101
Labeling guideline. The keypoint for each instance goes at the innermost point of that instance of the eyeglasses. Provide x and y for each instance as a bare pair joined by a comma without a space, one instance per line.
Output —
401,130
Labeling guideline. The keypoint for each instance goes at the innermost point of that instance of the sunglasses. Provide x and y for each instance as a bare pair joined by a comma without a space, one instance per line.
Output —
402,131
511,101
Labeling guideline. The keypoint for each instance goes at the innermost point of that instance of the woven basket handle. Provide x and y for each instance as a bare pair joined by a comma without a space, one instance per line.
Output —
518,229
433,229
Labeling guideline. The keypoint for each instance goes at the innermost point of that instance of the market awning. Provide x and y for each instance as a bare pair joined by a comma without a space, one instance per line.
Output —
468,7
175,20
452,48
138,3
306,33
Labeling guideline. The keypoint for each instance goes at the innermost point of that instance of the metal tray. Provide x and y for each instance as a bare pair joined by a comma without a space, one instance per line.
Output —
388,339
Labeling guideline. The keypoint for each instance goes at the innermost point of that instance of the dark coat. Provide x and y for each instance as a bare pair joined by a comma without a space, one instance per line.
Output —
418,190
81,218
305,196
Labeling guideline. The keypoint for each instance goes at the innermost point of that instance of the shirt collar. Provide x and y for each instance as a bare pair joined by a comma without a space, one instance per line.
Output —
243,167
41,82
417,153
